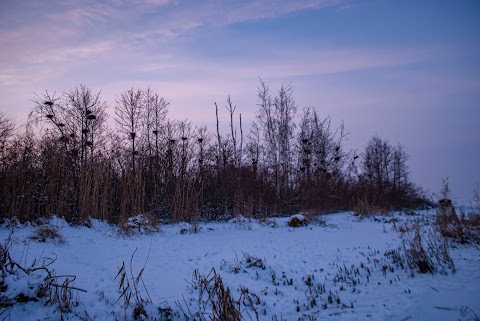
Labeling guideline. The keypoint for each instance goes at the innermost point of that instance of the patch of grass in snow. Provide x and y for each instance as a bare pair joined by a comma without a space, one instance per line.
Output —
21,284
215,300
134,295
365,207
47,232
424,249
467,314
297,221
140,224
189,228
462,229
241,222
268,221
246,262
315,217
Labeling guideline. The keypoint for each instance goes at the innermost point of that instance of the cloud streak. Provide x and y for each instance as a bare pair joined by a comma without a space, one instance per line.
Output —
71,30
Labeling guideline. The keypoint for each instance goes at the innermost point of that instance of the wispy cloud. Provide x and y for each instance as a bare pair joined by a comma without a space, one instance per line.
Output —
323,62
61,22
63,33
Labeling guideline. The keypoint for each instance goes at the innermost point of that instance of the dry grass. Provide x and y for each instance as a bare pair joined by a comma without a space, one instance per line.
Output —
129,286
467,314
139,224
132,195
47,232
315,217
417,256
463,229
470,224
298,221
212,296
364,207
187,228
53,290
425,249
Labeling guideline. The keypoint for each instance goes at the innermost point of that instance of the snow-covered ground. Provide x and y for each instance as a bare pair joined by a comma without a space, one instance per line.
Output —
332,271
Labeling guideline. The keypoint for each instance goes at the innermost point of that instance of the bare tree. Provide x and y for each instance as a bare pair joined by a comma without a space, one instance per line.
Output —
231,110
321,159
154,119
7,127
78,116
253,146
219,143
276,118
237,150
85,118
285,108
328,146
386,175
77,121
49,109
128,109
377,162
156,109
400,169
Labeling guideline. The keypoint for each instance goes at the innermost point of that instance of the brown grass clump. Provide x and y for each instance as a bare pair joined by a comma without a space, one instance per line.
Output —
470,224
46,232
464,228
213,295
298,221
129,287
315,217
44,285
425,249
417,256
139,224
364,207
447,220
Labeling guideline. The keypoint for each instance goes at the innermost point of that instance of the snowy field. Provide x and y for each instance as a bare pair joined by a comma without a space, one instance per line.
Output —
339,269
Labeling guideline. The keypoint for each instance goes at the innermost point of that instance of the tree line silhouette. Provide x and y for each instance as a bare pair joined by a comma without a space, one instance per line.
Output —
69,163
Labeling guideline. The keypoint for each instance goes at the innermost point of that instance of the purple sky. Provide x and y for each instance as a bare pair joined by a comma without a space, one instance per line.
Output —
408,71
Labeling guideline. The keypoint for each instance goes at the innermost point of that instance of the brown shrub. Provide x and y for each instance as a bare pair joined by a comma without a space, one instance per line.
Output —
364,207
46,232
463,229
471,226
139,224
298,221
426,250
213,295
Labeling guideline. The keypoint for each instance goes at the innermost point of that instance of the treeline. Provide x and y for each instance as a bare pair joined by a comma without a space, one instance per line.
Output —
69,163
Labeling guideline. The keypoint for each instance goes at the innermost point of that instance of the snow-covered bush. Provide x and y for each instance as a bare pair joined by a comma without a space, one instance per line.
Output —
47,232
36,283
139,224
187,228
314,217
297,220
242,222
248,261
